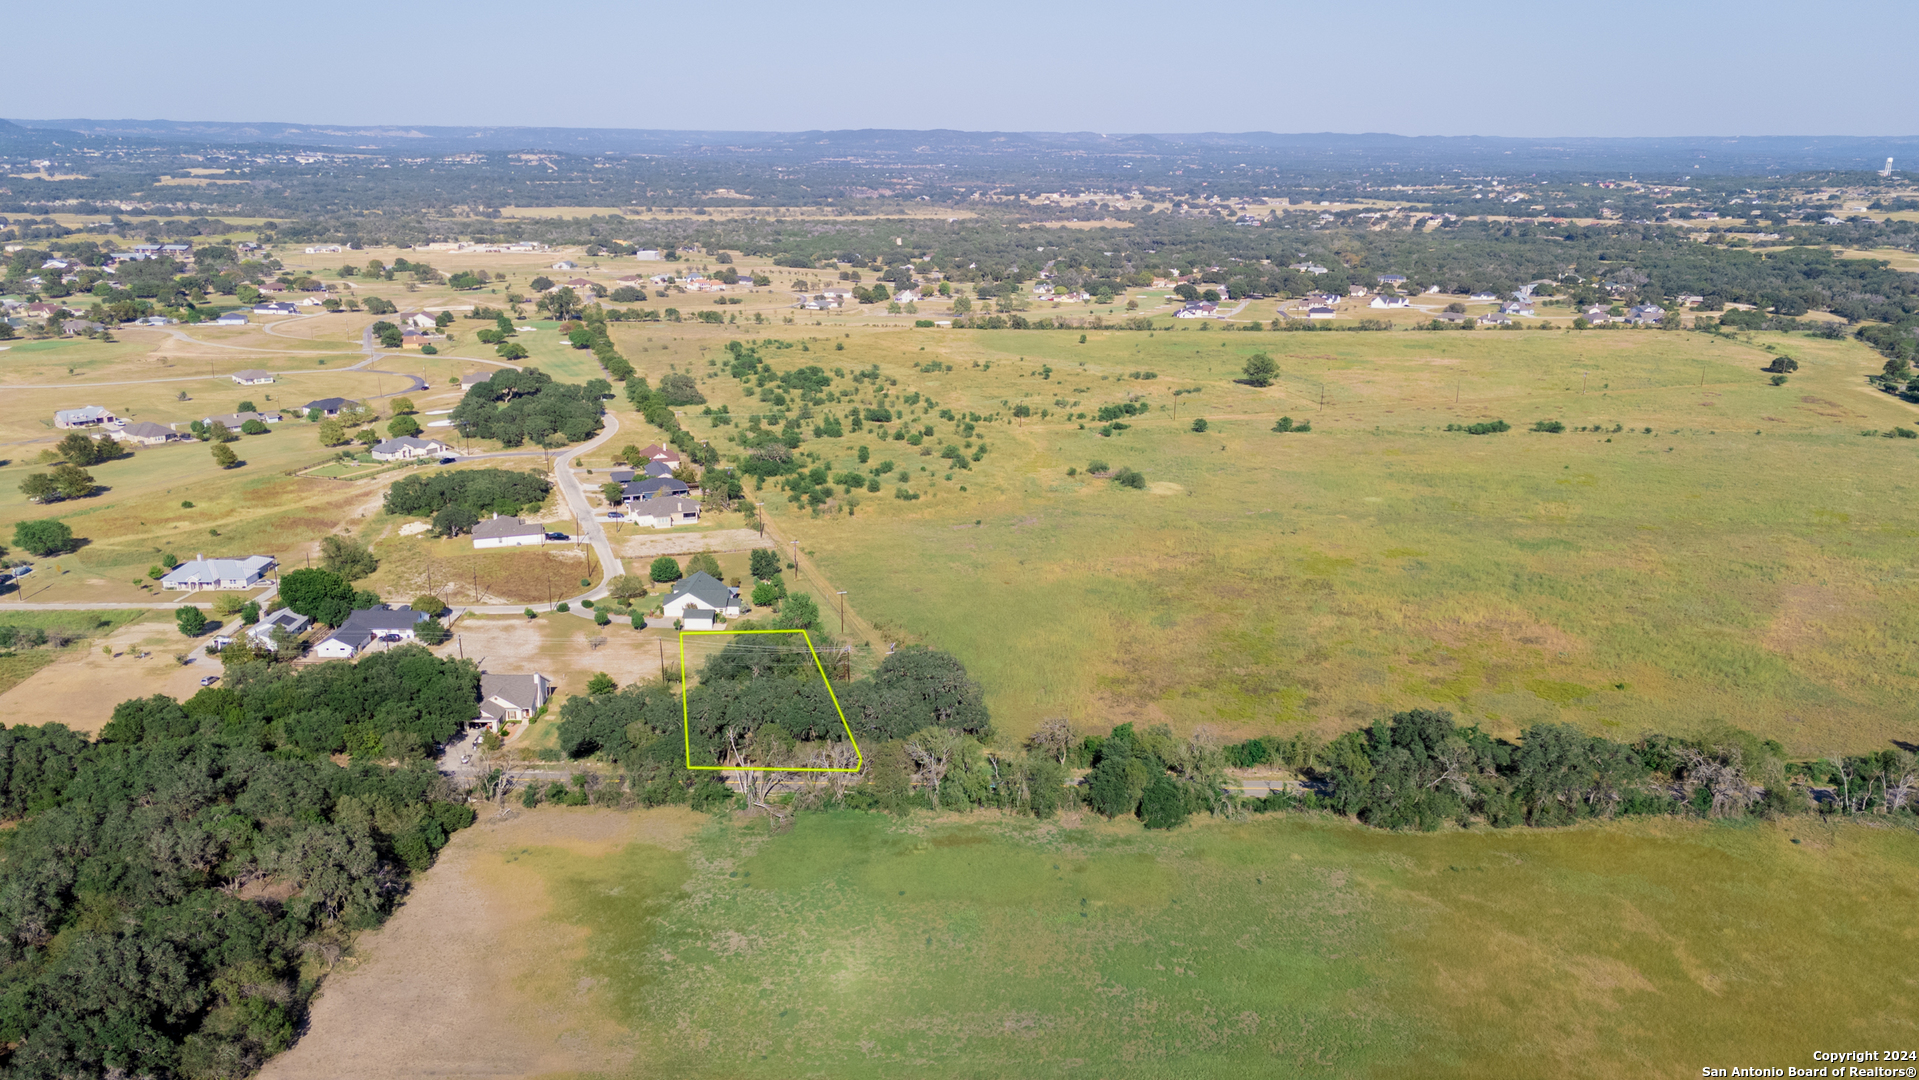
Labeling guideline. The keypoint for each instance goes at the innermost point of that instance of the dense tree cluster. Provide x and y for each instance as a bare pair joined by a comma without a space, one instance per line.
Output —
163,886
479,491
517,407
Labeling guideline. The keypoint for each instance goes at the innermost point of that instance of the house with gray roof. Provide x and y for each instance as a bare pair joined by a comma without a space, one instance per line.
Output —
653,487
148,433
506,699
407,447
394,625
234,421
202,573
252,377
701,590
329,406
667,511
261,633
507,532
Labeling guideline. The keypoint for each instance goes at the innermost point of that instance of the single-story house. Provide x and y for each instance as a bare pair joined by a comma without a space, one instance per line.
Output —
666,512
261,633
419,320
653,487
234,421
408,447
701,590
1483,296
565,264
1320,311
1645,314
1389,279
1496,320
508,532
231,318
324,249
203,573
505,699
1390,302
647,255
656,452
76,327
329,406
275,308
1304,268
1517,307
148,433
363,628
176,251
1199,310
273,286
83,417
473,379
252,377
1455,317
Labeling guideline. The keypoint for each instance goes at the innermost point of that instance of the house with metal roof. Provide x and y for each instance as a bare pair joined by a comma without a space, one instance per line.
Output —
252,377
83,417
203,574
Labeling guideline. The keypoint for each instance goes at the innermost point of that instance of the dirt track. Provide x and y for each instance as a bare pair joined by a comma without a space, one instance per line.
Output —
469,979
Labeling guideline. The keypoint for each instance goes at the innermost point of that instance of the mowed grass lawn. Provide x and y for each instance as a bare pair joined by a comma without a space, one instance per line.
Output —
855,946
1747,562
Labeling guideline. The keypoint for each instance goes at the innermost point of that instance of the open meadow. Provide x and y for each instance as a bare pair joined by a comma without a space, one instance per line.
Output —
591,942
1697,546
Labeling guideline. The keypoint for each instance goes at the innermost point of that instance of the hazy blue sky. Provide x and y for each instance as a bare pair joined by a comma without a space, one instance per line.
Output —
1635,67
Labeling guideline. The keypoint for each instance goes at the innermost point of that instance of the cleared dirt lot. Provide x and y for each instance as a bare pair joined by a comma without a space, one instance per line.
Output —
470,977
557,646
634,543
81,688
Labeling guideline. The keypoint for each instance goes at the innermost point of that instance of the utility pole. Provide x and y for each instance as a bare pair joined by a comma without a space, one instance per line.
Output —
760,512
662,645
842,612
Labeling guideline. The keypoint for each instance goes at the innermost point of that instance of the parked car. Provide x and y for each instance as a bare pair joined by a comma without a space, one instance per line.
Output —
560,536
389,637
615,515
209,680
448,460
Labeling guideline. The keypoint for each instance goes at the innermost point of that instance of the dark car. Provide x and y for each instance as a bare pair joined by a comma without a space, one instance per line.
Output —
390,637
562,537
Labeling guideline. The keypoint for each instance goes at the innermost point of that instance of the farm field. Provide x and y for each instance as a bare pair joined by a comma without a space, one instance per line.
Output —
649,944
1742,563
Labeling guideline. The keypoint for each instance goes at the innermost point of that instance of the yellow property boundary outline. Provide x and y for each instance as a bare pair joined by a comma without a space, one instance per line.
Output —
686,720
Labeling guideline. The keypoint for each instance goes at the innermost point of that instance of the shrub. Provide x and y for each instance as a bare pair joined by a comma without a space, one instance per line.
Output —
1130,478
1550,427
664,569
561,607
1199,424
1779,380
1489,427
1098,468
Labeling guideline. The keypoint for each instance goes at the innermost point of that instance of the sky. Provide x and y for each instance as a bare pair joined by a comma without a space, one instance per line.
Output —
1626,68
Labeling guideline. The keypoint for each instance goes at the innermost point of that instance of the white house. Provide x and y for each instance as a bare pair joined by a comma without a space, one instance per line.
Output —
507,532
203,573
84,417
408,447
666,511
231,318
647,255
1390,302
275,308
506,699
324,249
1319,311
364,628
261,633
701,590
565,264
252,377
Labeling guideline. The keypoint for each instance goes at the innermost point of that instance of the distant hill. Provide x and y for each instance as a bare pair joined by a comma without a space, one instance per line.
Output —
1708,153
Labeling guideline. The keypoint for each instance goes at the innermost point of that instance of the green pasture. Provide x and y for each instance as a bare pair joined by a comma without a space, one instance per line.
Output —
1746,562
854,946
